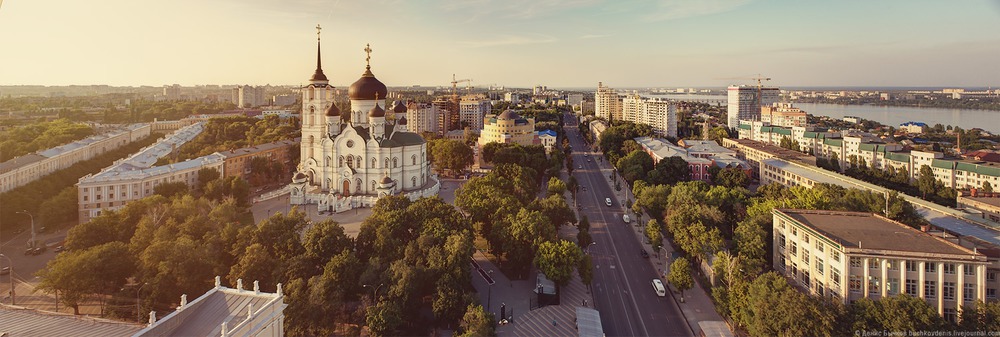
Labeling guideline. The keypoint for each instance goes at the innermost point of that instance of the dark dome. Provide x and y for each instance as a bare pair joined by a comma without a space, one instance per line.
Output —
367,87
376,111
402,120
509,114
332,111
386,180
399,107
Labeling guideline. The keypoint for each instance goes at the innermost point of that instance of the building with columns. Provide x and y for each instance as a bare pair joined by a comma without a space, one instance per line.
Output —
852,255
353,157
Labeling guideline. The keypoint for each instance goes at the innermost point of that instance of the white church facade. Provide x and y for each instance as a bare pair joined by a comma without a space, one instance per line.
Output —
351,158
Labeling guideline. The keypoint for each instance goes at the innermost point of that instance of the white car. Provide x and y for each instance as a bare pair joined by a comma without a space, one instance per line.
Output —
658,287
607,201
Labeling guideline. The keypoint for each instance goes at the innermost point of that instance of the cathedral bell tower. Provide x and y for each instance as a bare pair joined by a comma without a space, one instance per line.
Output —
317,105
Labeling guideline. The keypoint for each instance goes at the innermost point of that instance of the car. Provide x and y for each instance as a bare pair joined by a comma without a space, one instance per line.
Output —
644,254
580,167
5,271
60,248
607,201
658,287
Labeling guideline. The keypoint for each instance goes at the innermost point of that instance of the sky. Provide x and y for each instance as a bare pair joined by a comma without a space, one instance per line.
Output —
514,43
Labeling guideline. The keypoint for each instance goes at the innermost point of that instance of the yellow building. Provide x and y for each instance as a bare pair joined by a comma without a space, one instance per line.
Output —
508,127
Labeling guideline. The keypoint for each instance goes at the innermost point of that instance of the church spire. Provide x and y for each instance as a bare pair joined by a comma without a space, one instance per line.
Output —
318,76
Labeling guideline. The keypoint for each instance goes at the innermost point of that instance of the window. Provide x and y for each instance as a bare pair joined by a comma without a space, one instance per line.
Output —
892,265
819,246
85,198
893,284
836,256
855,284
795,231
819,266
805,238
873,263
969,292
795,269
413,160
395,162
781,224
794,250
781,262
949,268
341,163
856,262
873,285
991,276
373,185
781,240
949,315
911,266
98,197
930,267
805,257
386,162
805,279
930,289
948,290
374,162
970,270
991,293
835,275
911,287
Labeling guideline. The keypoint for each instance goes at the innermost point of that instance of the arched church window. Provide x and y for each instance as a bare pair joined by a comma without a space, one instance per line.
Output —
413,182
359,162
395,162
327,162
413,160
341,163
373,185
312,93
311,148
386,162
374,162
350,161
357,187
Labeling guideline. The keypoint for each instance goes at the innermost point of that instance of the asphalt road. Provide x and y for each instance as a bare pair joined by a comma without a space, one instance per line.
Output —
622,286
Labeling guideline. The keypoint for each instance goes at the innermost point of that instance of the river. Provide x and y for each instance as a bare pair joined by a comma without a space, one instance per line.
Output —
988,120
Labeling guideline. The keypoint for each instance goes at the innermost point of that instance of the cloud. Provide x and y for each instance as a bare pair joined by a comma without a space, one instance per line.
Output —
509,40
593,36
679,9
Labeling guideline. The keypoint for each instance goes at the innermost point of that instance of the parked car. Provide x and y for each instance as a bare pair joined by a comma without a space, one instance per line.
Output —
607,201
60,248
644,254
4,270
658,287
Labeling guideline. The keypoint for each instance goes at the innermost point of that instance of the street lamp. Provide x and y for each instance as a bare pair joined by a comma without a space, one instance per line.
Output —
11,274
588,247
138,310
374,293
32,245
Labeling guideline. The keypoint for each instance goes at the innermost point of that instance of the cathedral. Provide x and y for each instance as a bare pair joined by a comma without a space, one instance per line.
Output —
352,157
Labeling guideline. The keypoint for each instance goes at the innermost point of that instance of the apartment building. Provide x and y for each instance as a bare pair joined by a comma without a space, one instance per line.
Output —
852,255
472,110
421,117
659,114
22,170
745,102
607,103
783,114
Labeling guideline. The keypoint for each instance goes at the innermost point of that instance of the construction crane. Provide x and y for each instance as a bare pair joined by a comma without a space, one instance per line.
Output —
454,86
759,80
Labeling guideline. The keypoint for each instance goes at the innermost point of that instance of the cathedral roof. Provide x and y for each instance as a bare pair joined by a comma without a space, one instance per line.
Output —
402,120
367,87
386,180
377,111
395,139
398,107
318,75
332,110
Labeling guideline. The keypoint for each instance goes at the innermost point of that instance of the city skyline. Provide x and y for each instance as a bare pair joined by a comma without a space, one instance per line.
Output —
557,43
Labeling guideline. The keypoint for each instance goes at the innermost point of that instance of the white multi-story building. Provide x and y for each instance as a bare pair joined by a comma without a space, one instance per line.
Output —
25,169
745,102
421,117
548,139
135,177
660,114
851,255
607,103
783,114
250,96
472,111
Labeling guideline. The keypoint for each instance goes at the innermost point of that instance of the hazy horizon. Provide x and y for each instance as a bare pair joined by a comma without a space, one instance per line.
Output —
513,43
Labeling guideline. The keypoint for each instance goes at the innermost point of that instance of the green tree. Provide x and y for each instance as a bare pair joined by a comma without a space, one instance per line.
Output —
717,134
556,186
255,264
384,318
982,316
635,165
680,275
102,269
987,187
834,163
477,322
171,189
731,177
557,260
326,239
60,210
586,269
926,183
654,233
452,155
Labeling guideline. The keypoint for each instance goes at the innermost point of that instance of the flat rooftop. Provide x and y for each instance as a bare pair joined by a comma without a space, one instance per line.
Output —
992,201
868,231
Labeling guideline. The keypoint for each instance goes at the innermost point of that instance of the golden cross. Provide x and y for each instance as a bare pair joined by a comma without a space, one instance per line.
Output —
368,56
318,28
